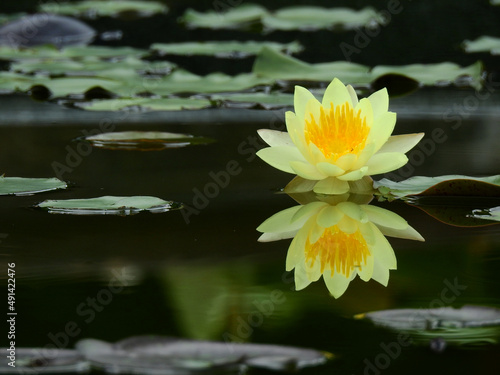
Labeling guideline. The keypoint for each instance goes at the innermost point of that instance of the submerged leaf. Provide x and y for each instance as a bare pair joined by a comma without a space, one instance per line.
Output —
26,186
450,185
144,141
151,354
109,205
230,49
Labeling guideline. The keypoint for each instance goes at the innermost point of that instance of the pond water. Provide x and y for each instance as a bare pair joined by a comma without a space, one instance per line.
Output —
200,272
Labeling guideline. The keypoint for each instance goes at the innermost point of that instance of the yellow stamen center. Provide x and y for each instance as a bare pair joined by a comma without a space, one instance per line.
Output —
338,251
338,131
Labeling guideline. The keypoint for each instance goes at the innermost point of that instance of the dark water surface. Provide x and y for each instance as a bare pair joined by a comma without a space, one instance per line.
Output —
201,273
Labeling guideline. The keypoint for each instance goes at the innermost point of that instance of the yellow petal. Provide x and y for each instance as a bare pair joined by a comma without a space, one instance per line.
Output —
300,98
354,175
280,221
380,273
336,93
348,225
308,210
380,102
336,284
346,161
280,157
354,211
382,249
354,96
401,143
331,185
306,170
275,138
299,185
386,162
365,107
329,169
378,215
366,271
381,130
408,233
271,237
329,216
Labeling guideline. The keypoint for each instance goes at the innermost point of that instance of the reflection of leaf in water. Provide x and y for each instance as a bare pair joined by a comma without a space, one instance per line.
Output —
144,141
27,186
109,205
151,354
483,44
100,8
230,49
487,214
449,185
466,325
145,104
264,100
61,361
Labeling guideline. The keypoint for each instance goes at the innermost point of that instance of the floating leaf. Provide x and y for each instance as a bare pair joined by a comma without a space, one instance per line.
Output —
273,64
60,361
100,8
151,354
146,104
444,73
450,185
231,18
315,18
27,186
144,141
483,44
466,325
266,101
109,205
230,49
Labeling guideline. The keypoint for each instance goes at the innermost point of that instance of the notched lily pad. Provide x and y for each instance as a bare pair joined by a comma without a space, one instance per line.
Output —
109,205
28,186
449,185
144,141
155,355
464,326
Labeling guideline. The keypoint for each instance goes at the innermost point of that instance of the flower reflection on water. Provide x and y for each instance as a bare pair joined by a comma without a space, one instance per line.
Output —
338,238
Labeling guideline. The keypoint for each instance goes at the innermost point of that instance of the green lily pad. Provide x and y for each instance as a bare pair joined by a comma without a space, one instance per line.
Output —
101,8
230,49
250,100
435,74
145,104
315,18
450,185
27,186
230,18
273,64
483,44
468,325
109,205
144,141
181,81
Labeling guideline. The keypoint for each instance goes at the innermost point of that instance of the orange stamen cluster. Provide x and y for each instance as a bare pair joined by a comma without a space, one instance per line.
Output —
338,251
338,131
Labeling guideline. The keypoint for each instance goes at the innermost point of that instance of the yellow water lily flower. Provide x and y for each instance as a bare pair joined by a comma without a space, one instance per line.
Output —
338,140
338,242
